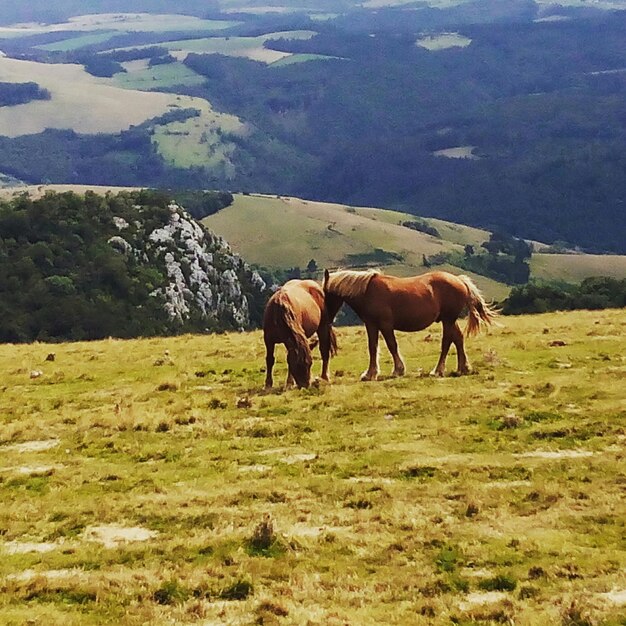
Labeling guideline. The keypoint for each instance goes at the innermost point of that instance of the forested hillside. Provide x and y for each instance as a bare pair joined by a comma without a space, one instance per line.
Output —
508,116
124,265
537,103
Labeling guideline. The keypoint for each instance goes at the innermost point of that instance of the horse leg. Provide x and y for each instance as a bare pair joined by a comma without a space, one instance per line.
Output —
371,373
323,335
446,341
290,382
269,363
463,366
392,344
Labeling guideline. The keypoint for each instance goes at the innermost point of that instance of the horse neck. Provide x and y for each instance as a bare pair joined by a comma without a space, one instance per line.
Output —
332,305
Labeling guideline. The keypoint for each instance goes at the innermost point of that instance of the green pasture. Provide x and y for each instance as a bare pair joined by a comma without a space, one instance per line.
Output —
75,43
200,141
333,235
158,77
154,481
576,267
302,58
251,47
336,235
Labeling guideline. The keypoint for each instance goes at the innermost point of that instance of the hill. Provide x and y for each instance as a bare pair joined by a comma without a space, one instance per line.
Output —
152,481
124,265
508,116
285,232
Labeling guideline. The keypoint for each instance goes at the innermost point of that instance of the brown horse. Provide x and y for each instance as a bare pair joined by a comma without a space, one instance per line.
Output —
293,314
387,303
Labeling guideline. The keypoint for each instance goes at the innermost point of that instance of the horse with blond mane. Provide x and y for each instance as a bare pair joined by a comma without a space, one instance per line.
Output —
293,314
387,303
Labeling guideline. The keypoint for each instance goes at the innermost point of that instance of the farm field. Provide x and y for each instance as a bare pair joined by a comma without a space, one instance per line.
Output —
443,41
143,78
154,481
576,267
77,42
249,47
199,140
80,101
137,22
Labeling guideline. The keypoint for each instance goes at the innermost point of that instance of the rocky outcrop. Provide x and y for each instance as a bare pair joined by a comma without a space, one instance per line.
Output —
204,279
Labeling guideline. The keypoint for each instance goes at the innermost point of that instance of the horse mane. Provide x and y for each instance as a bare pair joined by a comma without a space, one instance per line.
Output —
299,343
349,283
479,311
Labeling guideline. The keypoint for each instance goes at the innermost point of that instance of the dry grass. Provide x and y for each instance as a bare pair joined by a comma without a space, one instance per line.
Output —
576,267
255,225
136,22
80,101
183,493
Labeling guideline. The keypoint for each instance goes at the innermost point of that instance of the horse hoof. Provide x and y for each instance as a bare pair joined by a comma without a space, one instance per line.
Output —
366,378
436,374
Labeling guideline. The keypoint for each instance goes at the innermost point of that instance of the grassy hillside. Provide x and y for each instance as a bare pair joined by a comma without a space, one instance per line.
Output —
249,47
85,103
283,232
576,267
153,481
505,115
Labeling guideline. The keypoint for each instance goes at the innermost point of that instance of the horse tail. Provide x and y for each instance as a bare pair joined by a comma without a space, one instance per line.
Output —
478,310
300,342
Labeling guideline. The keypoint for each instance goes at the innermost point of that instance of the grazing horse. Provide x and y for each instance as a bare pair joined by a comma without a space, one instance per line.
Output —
387,303
293,314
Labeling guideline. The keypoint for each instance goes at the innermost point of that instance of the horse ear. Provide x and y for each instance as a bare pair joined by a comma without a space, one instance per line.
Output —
326,278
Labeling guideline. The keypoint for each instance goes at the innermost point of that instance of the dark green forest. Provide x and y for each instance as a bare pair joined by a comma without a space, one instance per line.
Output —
542,104
549,131
66,272
541,297
12,94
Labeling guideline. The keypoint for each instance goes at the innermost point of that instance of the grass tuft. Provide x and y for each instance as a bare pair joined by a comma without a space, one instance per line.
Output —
501,582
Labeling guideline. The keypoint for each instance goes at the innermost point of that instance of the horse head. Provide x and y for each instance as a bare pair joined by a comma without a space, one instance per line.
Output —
299,361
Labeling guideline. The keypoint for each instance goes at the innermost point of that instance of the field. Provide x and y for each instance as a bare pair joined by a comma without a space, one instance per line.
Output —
328,232
337,235
75,43
81,102
153,481
143,78
444,41
199,140
333,235
136,22
576,267
249,47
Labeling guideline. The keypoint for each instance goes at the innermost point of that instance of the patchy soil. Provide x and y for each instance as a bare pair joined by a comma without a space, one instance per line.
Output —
23,547
52,574
475,599
555,454
112,536
617,596
33,446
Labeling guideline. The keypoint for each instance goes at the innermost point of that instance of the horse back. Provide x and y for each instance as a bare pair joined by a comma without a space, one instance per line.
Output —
415,302
304,299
